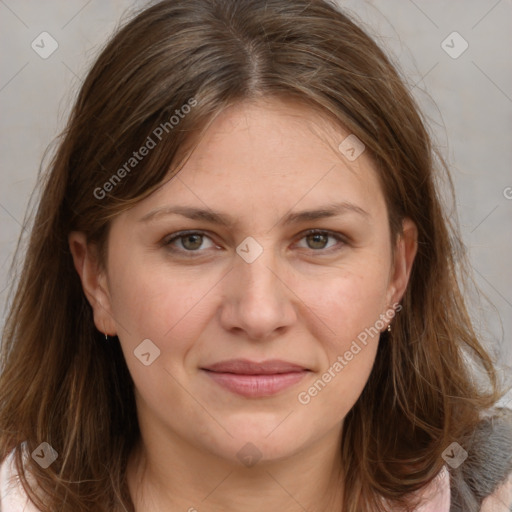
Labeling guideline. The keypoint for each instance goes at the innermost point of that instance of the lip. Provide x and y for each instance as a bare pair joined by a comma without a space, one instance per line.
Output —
247,367
253,380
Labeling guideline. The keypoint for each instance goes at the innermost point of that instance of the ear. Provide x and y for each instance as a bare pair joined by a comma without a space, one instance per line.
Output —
94,281
405,252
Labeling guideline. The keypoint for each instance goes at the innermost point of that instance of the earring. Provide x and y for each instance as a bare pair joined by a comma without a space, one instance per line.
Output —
389,327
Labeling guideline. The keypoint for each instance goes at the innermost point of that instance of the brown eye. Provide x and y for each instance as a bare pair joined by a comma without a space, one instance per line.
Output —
319,240
192,242
188,242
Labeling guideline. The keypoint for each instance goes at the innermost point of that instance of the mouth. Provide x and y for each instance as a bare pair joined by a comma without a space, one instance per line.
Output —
254,380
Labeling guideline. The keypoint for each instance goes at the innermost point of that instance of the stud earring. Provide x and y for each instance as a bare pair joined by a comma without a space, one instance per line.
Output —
389,327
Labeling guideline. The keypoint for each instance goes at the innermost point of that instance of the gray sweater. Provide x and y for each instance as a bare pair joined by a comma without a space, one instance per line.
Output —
489,463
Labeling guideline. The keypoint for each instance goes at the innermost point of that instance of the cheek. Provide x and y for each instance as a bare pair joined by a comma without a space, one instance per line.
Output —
154,302
348,301
169,309
350,306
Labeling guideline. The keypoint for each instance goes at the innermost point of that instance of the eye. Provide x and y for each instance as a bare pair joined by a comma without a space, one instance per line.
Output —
190,241
193,241
317,239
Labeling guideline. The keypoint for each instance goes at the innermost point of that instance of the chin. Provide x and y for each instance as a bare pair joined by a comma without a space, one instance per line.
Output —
261,441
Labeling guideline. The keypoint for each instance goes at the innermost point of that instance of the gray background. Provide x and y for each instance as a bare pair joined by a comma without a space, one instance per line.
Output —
467,102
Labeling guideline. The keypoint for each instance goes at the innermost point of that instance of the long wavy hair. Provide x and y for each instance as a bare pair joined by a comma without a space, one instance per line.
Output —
61,383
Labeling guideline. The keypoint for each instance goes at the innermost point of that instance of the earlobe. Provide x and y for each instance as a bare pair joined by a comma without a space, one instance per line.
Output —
93,281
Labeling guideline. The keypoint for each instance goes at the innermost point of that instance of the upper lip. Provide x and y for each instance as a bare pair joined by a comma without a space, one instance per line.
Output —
247,367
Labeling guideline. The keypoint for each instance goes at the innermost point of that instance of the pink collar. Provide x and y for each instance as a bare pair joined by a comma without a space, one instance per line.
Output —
436,495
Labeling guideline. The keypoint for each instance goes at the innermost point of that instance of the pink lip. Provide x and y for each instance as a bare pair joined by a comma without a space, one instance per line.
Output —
252,380
246,367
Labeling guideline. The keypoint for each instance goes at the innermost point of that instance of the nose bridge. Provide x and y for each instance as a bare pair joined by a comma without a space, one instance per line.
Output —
258,277
258,300
256,271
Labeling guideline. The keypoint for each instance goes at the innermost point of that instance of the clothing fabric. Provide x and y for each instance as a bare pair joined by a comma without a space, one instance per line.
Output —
12,494
437,494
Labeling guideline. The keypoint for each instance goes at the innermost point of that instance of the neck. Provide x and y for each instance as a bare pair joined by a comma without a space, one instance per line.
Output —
178,476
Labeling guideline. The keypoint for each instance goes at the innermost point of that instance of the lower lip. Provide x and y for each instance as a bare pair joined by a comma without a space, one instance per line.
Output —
255,386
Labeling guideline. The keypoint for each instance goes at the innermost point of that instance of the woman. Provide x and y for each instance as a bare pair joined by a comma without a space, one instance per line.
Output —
241,290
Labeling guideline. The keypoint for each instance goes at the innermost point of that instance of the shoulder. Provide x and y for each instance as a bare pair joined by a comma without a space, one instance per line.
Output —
12,495
483,482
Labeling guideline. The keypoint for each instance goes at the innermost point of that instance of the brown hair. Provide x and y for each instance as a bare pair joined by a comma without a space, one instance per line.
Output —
61,383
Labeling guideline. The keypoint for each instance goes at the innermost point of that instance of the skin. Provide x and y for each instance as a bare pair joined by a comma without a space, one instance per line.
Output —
303,300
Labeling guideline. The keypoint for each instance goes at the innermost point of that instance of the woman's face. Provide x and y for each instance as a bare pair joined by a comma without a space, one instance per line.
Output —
256,288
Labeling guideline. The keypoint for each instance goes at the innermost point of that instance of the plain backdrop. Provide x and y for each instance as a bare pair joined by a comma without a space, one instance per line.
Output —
462,81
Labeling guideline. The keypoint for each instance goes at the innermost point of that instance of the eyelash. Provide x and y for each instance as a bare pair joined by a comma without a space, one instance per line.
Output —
166,242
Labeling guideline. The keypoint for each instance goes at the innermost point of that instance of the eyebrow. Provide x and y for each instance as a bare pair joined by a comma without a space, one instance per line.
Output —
330,210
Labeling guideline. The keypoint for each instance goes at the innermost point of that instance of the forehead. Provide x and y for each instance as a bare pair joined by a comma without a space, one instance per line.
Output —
271,137
271,154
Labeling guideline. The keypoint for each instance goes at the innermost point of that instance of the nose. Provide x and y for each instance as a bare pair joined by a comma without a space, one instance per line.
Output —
257,301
